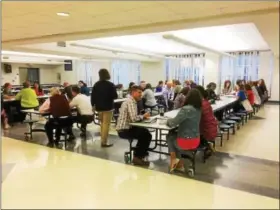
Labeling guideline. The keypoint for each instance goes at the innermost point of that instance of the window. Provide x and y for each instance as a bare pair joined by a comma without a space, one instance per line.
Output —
88,71
245,66
125,71
186,67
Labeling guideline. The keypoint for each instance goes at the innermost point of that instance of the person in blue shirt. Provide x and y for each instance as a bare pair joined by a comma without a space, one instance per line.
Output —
84,88
241,96
159,87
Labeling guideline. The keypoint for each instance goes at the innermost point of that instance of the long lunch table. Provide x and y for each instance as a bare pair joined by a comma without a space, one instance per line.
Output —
154,122
31,122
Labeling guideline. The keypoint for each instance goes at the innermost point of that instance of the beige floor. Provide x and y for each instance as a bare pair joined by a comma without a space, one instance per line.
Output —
258,138
44,178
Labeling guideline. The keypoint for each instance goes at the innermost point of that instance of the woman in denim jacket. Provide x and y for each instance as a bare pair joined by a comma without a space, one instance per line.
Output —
186,137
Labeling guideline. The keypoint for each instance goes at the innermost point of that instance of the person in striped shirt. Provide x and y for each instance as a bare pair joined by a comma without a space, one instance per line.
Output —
129,114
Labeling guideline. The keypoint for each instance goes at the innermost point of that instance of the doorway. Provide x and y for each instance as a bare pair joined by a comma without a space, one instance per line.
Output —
33,75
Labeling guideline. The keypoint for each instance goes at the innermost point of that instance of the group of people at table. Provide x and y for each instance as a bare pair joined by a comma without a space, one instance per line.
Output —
195,124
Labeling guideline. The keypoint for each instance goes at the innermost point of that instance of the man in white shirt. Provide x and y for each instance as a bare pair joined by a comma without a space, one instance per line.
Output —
168,94
83,105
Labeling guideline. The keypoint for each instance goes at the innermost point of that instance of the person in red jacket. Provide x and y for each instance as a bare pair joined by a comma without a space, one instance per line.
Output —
208,122
38,89
250,94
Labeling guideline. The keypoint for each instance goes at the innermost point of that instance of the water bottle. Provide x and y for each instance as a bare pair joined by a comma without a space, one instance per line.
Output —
161,111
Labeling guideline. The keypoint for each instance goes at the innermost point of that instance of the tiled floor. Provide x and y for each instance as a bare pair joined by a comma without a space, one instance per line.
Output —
243,174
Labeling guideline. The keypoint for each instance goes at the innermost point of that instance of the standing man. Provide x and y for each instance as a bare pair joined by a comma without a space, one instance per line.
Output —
102,98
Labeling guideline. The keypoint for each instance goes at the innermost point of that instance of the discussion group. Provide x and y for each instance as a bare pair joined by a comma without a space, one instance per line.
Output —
195,124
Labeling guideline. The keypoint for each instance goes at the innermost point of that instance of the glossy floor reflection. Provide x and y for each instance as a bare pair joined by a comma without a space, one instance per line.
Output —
44,178
259,138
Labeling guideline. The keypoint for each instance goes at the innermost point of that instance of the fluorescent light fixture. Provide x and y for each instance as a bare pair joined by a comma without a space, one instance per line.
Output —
188,43
117,51
35,55
63,14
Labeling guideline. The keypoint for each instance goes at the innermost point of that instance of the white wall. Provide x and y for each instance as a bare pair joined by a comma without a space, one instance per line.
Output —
211,70
275,82
152,72
265,68
78,74
268,61
48,73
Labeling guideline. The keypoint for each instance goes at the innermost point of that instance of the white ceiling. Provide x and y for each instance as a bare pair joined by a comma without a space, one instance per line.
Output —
34,21
239,37
19,57
37,22
229,38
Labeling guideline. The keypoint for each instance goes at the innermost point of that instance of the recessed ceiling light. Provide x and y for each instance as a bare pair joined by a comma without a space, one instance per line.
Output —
64,14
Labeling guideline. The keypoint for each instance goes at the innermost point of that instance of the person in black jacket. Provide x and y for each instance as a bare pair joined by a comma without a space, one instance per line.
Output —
102,98
67,91
211,91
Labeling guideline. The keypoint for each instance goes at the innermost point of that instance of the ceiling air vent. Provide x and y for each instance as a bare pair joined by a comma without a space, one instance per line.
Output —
5,57
61,44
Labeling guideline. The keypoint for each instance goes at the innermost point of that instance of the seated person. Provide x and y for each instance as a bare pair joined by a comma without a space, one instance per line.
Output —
192,84
177,88
58,107
263,90
4,118
181,97
238,83
159,87
7,91
143,85
38,89
241,96
257,98
168,95
84,88
67,90
140,104
127,115
131,84
250,94
211,87
227,88
208,122
119,89
28,99
258,90
83,105
149,96
186,137
45,108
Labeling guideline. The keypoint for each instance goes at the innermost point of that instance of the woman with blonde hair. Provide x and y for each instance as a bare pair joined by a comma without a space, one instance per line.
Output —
46,105
257,98
57,106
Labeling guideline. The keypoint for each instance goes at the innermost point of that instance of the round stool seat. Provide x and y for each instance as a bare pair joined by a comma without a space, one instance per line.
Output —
229,122
240,114
235,118
224,126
